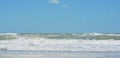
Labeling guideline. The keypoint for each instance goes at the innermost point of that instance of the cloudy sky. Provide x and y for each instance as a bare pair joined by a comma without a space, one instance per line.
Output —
60,16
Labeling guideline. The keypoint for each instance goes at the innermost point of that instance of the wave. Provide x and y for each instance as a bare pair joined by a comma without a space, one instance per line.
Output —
23,43
80,36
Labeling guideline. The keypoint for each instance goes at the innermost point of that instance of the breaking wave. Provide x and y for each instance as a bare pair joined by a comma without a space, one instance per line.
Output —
39,42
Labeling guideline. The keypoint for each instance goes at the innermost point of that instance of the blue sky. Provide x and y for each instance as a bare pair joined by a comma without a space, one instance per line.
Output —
63,16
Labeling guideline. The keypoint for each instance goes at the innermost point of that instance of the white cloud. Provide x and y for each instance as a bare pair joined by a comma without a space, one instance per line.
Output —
61,4
54,1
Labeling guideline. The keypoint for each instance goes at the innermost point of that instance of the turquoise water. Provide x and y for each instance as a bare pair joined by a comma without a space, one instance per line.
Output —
58,54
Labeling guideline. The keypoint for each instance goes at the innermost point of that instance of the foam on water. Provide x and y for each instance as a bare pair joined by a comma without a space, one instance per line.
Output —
37,44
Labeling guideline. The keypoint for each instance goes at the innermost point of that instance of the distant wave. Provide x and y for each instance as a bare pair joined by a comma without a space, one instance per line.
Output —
80,36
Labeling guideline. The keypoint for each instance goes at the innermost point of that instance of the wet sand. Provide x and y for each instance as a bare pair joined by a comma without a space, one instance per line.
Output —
59,54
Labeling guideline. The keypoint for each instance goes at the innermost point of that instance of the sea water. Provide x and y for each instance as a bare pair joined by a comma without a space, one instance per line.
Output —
59,54
59,46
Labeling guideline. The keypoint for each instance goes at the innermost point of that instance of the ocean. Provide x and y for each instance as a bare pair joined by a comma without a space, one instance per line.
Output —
57,45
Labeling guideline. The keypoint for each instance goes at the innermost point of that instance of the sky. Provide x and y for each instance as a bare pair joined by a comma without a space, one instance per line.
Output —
64,16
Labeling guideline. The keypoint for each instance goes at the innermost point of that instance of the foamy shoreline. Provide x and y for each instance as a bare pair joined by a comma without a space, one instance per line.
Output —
60,45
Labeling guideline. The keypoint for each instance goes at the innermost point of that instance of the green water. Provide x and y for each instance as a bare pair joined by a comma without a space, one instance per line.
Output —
83,36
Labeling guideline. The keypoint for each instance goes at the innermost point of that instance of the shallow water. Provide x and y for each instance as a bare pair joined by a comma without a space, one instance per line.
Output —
58,54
